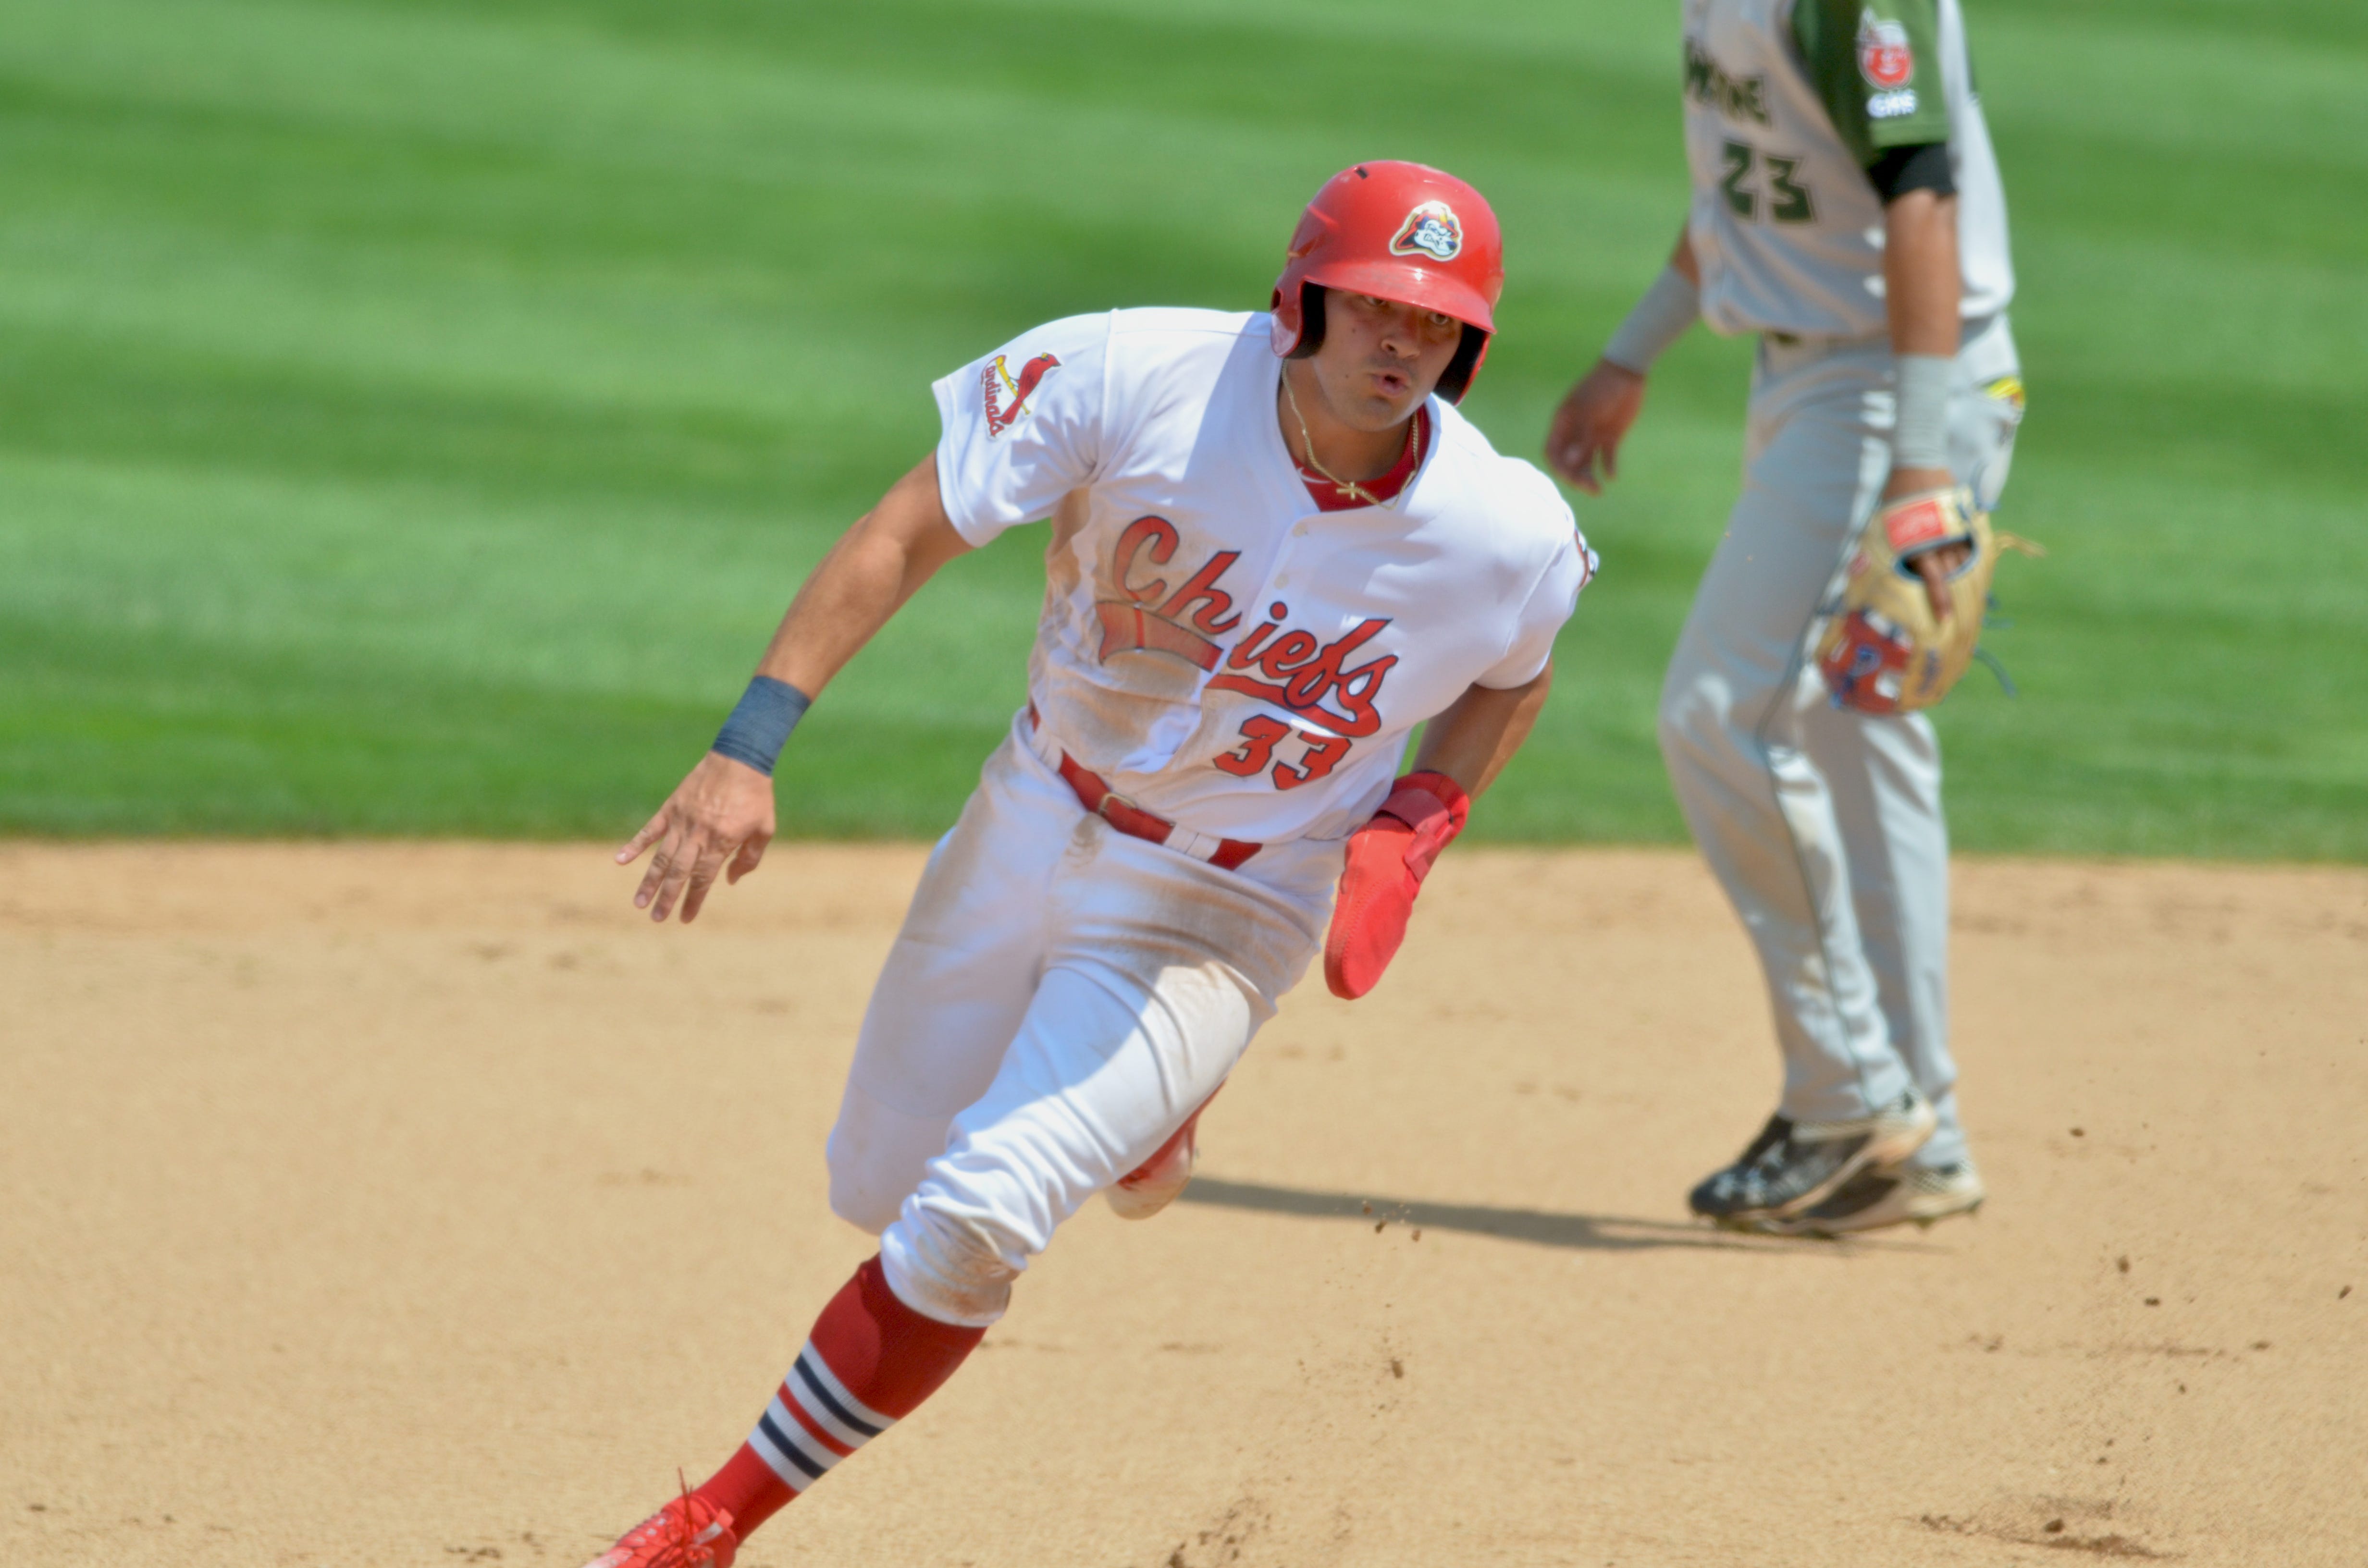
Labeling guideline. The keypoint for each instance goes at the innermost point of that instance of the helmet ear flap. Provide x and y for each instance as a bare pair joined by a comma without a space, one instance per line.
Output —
1311,322
1457,377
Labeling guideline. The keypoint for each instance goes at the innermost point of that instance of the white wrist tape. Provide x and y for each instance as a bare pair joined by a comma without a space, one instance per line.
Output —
1660,318
1919,435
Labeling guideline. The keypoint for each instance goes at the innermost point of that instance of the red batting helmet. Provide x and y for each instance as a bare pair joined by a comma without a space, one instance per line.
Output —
1399,232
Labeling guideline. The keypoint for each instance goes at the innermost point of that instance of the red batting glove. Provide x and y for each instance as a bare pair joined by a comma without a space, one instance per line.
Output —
1388,858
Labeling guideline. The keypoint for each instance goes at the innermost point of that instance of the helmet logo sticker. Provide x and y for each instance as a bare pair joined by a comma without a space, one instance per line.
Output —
1884,58
1431,230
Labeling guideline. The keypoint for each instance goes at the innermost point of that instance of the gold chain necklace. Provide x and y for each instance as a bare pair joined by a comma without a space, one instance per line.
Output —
1348,487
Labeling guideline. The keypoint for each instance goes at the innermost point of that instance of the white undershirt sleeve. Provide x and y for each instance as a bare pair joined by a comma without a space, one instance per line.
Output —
1672,304
1919,437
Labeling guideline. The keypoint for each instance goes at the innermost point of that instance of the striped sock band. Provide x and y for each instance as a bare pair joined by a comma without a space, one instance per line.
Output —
868,1363
813,1423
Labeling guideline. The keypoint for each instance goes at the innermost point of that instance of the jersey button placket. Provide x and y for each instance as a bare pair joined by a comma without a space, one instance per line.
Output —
1278,570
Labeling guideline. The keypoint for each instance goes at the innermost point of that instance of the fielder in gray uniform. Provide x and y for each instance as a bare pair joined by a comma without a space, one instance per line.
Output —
1846,209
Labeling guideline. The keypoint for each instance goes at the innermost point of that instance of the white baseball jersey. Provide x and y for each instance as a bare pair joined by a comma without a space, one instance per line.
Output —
1226,653
1787,103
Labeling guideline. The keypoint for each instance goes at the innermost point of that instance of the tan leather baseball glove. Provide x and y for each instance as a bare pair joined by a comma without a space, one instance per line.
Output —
1883,651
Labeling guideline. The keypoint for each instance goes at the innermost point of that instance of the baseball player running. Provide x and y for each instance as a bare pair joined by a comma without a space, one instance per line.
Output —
1276,548
1846,207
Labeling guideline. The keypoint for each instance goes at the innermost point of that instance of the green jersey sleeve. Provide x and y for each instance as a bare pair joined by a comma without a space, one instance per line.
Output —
1876,64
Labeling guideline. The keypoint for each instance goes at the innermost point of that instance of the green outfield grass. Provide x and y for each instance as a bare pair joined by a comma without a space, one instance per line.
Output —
413,416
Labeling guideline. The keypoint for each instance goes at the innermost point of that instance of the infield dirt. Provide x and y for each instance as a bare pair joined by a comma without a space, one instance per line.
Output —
416,1205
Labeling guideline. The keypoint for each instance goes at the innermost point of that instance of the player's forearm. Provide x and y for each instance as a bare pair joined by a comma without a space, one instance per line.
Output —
1922,280
1480,731
875,566
1923,286
1681,258
1668,309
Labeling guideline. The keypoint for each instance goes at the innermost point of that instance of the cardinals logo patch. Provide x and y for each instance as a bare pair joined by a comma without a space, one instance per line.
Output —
1431,230
1884,57
1006,400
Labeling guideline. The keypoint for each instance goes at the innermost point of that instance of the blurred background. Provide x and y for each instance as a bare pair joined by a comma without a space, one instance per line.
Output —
416,414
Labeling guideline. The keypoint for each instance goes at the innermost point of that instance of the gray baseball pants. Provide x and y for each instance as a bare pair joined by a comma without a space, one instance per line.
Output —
1823,824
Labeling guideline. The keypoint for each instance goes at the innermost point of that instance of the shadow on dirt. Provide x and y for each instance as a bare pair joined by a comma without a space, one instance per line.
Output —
1594,1233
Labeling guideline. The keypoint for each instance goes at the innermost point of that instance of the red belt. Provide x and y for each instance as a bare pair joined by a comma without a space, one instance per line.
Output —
1095,794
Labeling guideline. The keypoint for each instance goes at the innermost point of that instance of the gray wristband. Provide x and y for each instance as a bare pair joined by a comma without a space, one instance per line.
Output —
1660,318
1919,434
759,727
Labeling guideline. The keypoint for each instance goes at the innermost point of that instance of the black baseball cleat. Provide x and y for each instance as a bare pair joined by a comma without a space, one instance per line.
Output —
1792,1167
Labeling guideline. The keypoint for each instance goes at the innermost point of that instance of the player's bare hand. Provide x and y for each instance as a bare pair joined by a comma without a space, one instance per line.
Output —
717,822
1942,562
1936,566
1592,421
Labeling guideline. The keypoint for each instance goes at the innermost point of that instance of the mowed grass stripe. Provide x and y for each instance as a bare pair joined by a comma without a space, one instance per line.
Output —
415,415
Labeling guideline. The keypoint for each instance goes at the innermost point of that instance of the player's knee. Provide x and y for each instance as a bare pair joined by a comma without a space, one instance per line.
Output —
861,1203
951,1264
1697,720
1677,724
876,1159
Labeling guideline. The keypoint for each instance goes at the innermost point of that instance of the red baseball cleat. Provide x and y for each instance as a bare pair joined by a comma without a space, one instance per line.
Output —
689,1532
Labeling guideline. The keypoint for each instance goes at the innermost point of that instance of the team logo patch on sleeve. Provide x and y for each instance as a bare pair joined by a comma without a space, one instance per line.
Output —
1884,56
1006,400
1431,230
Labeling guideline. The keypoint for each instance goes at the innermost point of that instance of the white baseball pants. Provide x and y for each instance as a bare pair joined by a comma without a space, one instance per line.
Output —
1823,824
1060,997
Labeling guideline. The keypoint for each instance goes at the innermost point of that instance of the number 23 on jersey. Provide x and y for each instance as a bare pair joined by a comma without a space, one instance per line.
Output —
1788,201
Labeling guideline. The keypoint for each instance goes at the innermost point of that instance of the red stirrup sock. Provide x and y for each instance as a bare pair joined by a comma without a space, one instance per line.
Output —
868,1363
